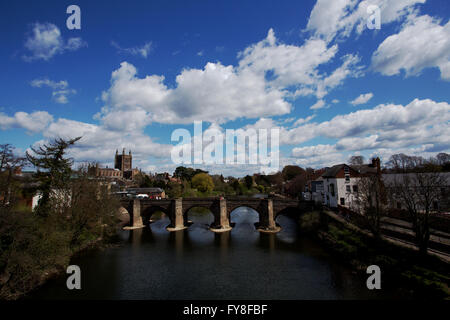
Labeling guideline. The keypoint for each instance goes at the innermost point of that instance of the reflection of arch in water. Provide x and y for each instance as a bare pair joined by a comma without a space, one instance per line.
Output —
148,212
290,212
207,210
252,212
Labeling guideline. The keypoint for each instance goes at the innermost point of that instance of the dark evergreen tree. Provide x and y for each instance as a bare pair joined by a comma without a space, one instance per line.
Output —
53,169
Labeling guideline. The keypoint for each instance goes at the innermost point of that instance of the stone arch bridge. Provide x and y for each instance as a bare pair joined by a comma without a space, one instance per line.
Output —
140,210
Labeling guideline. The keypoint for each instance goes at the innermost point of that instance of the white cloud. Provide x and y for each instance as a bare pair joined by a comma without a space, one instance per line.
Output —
61,89
362,99
318,105
32,122
421,125
301,121
99,143
142,51
339,18
422,43
313,151
219,93
38,83
45,41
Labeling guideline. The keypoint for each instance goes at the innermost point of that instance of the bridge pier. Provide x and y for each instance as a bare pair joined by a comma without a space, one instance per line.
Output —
267,220
222,222
177,220
136,218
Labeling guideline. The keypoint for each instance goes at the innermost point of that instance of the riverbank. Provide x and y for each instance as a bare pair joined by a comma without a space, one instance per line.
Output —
418,277
35,249
41,277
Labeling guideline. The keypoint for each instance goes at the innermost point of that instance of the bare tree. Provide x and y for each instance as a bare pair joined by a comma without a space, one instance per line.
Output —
296,186
443,158
371,200
8,164
356,160
418,192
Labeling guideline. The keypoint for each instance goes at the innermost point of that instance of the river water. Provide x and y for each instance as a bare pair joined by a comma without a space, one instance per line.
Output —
196,263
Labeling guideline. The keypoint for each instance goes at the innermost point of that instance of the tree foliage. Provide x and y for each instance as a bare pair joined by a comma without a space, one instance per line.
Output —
203,182
54,169
290,172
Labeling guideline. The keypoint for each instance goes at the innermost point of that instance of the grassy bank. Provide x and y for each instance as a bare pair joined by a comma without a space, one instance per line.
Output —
419,277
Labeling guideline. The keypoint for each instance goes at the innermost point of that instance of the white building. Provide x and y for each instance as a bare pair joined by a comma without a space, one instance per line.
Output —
340,183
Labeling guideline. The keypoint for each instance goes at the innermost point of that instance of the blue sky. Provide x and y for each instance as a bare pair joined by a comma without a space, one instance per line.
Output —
137,70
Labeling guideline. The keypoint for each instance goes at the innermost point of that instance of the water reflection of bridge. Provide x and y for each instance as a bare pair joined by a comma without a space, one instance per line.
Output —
141,210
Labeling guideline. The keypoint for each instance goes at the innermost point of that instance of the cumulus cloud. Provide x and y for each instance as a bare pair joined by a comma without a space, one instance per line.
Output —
32,122
219,93
61,89
99,143
216,93
45,41
362,99
318,105
421,43
421,124
339,18
142,51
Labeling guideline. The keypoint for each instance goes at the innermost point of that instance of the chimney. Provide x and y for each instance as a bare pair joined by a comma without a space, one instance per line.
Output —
123,151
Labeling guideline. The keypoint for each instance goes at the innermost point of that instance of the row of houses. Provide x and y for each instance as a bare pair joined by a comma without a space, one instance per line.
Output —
338,186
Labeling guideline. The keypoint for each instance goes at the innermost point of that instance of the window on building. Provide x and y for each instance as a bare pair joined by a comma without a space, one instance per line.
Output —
347,178
355,188
342,200
332,189
348,188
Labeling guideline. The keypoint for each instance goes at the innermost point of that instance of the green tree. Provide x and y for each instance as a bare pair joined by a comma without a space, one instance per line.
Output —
56,168
248,181
174,189
203,182
186,173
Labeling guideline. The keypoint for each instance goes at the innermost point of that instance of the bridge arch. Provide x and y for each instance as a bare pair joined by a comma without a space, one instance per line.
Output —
254,211
212,214
149,211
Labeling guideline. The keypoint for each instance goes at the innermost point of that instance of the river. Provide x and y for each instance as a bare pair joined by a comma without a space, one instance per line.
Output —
196,263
